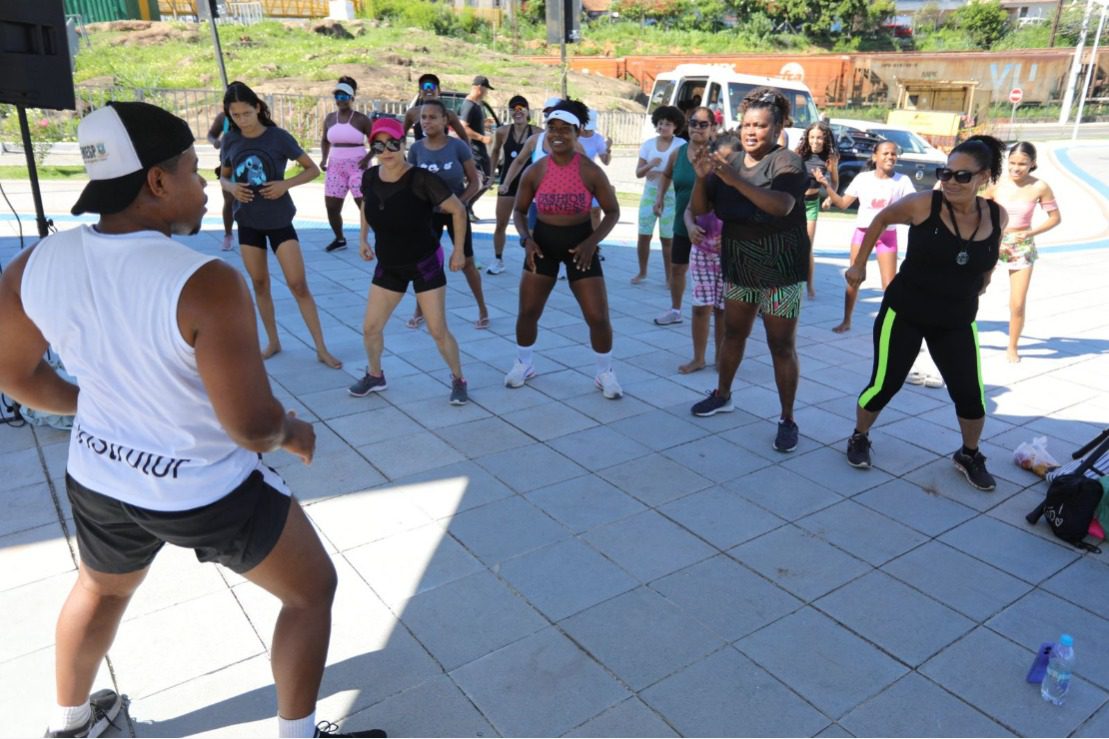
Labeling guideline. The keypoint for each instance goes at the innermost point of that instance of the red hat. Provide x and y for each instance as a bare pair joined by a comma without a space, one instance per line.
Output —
390,126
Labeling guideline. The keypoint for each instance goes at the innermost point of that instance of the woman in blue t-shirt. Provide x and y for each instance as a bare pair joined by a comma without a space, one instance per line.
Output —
253,157
452,161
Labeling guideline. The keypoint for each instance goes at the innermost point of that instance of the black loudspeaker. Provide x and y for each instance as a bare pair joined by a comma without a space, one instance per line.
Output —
35,69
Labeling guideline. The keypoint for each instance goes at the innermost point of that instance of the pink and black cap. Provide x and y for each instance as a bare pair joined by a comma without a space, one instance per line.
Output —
119,144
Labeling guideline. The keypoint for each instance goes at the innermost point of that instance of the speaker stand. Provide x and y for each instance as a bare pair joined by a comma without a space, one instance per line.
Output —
40,214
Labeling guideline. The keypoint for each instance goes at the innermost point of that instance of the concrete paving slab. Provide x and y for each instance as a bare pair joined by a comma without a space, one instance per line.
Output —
799,561
505,529
648,545
632,718
584,502
721,517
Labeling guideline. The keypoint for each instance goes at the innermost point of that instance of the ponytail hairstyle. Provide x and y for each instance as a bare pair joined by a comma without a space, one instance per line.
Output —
766,98
1023,147
805,151
987,151
576,108
238,92
872,162
350,81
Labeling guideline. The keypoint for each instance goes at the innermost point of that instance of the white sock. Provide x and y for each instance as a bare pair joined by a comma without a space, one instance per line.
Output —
523,354
603,360
69,717
297,727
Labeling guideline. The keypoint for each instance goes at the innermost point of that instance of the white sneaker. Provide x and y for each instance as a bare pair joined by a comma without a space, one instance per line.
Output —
519,374
227,243
496,267
669,318
606,382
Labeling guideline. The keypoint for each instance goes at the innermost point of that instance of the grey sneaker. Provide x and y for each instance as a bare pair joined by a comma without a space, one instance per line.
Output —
858,451
669,317
105,705
459,396
786,440
713,403
974,469
368,384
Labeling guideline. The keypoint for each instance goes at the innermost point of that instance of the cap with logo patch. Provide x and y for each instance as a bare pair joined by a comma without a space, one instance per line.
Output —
119,144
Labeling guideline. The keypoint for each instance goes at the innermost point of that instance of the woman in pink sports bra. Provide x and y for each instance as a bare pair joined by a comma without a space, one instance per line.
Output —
1018,194
563,186
344,143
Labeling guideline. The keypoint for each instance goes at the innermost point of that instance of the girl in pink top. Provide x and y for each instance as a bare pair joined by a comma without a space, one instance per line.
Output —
1018,194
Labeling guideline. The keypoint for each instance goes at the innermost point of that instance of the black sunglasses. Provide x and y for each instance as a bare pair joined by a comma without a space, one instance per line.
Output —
699,124
962,176
391,144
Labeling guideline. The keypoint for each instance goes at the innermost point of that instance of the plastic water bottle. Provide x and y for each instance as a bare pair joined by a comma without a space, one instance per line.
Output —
1059,668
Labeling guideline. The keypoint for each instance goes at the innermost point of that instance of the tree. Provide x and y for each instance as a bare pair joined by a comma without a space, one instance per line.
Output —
821,17
984,21
928,17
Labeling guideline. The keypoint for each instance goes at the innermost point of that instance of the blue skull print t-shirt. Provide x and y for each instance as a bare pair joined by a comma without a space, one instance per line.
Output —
255,162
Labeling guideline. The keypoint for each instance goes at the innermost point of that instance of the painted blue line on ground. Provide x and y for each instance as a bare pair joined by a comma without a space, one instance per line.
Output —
1075,169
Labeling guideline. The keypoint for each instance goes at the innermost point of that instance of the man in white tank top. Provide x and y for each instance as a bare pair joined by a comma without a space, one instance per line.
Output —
173,411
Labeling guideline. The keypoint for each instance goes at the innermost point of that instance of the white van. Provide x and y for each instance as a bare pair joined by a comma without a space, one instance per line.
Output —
720,87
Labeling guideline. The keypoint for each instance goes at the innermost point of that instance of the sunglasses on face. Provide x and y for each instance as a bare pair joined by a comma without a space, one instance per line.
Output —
382,144
428,86
519,109
342,97
962,176
699,124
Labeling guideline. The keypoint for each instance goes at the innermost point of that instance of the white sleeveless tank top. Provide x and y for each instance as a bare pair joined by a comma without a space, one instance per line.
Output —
145,431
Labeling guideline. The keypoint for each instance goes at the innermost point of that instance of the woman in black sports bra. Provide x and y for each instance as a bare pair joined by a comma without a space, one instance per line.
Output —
954,237
510,139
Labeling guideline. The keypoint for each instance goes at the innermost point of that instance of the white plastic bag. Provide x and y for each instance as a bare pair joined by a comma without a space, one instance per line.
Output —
1035,457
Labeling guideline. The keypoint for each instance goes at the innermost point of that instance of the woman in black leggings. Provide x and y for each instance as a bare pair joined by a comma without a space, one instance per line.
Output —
953,246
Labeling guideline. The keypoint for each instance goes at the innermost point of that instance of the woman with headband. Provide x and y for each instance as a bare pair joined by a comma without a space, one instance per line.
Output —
759,194
563,186
345,131
953,247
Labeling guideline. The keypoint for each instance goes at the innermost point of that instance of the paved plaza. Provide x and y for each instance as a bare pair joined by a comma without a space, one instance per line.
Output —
546,562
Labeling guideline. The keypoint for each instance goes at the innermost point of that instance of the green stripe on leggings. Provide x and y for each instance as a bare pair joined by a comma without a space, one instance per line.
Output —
978,363
883,359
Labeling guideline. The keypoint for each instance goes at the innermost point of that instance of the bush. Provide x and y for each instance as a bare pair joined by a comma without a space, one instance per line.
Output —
984,21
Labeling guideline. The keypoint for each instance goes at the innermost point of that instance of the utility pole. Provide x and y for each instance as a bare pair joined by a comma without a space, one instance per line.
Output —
1076,66
1091,69
562,41
210,9
1055,24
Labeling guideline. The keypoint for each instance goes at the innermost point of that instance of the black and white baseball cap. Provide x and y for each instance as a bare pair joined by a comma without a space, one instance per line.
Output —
119,144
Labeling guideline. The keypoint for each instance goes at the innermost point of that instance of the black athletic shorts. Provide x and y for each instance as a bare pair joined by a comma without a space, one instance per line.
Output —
446,220
556,242
256,237
238,531
679,249
426,274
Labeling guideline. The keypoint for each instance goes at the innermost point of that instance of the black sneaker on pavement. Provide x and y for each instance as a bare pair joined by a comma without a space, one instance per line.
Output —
858,451
105,705
326,728
459,396
368,384
713,403
336,245
786,440
974,469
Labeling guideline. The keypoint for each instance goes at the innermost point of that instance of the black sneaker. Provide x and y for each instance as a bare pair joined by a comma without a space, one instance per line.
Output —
713,403
104,705
786,440
368,384
459,396
326,728
858,451
974,469
336,245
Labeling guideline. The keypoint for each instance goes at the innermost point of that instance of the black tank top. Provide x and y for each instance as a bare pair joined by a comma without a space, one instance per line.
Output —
512,149
940,279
